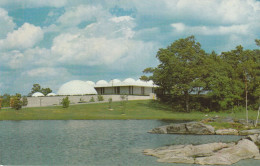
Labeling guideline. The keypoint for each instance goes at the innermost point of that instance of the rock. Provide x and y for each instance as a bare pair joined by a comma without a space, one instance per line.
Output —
159,130
258,140
207,154
227,132
199,128
185,128
245,149
252,137
249,132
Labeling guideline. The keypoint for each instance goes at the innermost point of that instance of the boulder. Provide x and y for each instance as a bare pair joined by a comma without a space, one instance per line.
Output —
252,137
227,132
185,128
250,132
245,149
207,154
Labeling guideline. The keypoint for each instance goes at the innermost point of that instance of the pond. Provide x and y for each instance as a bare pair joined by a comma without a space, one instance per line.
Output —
90,142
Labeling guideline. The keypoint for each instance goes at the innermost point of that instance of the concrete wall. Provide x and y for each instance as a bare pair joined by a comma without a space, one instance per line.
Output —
56,100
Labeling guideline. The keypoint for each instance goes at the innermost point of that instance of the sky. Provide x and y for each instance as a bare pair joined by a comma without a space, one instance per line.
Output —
50,42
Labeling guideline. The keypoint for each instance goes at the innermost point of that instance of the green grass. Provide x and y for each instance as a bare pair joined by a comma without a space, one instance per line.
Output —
142,109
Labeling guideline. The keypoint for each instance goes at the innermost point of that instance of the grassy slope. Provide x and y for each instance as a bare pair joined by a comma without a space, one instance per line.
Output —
145,109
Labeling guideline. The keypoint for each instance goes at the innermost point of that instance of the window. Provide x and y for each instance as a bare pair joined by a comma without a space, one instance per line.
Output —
131,90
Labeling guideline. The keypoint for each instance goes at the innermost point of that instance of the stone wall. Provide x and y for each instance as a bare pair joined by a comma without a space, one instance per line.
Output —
56,100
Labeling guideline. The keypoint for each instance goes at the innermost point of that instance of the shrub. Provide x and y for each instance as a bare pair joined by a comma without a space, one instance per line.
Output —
15,102
1,103
110,103
65,102
25,101
100,98
92,99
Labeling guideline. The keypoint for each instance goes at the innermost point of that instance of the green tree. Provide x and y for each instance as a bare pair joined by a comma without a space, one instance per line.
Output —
1,102
65,102
16,102
45,91
180,69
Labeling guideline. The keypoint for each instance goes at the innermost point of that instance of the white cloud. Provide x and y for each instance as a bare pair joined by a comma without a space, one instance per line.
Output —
25,37
6,23
211,30
34,3
75,15
46,72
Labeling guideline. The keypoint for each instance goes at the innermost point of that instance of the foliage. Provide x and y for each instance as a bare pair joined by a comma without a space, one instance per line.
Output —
1,103
190,79
16,102
65,102
37,88
5,100
110,102
24,101
92,99
100,98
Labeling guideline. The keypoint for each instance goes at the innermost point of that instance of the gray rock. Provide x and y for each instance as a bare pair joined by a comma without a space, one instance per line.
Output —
207,154
245,149
258,140
185,128
227,132
249,132
252,137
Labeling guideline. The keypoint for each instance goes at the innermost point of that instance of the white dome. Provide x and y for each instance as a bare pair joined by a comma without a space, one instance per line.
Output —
114,81
129,80
102,82
51,94
91,83
150,82
76,87
37,94
141,82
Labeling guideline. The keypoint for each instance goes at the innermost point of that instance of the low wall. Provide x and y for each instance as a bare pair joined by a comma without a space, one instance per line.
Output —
56,100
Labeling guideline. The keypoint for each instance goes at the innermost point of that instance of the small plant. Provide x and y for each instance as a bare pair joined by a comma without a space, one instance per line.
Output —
1,103
25,101
81,100
100,98
110,103
124,99
65,102
92,99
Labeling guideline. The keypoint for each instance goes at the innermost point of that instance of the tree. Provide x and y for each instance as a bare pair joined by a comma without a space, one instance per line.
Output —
16,102
45,91
180,69
65,102
37,88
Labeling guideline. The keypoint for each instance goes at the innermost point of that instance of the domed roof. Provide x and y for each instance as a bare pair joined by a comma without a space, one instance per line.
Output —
102,82
129,80
51,94
141,82
91,83
37,94
114,81
150,82
76,87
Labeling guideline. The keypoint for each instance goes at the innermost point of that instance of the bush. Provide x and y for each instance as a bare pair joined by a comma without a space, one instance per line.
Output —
1,103
25,101
92,99
65,102
100,98
15,102
110,103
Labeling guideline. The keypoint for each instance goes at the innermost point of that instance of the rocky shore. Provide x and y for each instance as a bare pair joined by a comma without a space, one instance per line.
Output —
207,154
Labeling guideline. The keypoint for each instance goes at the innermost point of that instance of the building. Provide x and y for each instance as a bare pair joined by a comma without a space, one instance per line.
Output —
127,87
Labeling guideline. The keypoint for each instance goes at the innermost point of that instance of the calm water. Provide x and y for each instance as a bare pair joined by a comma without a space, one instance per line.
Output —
89,142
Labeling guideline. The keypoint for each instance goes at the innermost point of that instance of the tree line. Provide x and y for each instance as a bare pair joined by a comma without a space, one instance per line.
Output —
191,79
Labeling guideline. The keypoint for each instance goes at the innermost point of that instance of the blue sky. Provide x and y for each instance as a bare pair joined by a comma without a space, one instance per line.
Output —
51,42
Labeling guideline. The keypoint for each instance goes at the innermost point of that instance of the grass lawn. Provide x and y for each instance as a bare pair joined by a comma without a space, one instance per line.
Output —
142,109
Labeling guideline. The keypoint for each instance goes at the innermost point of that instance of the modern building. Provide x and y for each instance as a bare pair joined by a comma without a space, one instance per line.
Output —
127,87
77,87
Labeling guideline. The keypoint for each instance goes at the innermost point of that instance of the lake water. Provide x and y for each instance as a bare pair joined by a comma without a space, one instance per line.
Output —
90,142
